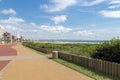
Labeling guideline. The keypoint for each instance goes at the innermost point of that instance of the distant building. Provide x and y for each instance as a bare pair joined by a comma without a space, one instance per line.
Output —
1,34
13,38
19,37
7,37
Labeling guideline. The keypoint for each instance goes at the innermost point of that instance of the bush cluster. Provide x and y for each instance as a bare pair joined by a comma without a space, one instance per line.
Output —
108,50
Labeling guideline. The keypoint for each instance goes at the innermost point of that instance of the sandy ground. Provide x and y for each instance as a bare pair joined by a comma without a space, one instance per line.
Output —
32,66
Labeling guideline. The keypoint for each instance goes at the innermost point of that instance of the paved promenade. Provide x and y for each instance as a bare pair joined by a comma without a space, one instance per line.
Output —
6,50
28,65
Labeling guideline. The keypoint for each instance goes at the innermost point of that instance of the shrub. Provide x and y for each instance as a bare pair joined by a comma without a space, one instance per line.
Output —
108,50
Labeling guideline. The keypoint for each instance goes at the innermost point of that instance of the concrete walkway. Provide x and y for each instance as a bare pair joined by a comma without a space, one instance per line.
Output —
28,65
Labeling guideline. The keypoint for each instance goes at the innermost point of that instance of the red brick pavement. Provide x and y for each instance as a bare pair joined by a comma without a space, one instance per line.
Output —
6,50
3,64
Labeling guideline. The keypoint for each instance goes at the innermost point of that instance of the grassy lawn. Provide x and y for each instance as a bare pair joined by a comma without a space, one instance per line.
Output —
93,74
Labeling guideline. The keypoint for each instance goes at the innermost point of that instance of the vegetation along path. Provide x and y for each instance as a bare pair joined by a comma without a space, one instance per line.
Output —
28,65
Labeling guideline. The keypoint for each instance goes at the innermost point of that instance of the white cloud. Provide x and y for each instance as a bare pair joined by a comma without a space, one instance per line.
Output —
84,33
59,19
12,28
90,3
114,1
8,11
58,5
114,6
2,27
34,31
30,30
32,24
55,29
12,20
110,14
45,6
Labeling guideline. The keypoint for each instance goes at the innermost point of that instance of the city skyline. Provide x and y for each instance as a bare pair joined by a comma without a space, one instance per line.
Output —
61,19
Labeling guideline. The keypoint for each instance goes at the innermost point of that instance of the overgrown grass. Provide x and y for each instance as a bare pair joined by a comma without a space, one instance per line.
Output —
78,49
94,74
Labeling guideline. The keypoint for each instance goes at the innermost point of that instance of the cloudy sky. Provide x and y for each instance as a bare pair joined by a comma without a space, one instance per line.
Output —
61,19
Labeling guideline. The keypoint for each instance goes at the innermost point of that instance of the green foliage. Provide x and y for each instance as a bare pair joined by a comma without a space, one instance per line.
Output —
109,50
79,49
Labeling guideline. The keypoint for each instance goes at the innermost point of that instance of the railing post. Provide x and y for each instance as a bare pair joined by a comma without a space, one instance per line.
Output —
55,54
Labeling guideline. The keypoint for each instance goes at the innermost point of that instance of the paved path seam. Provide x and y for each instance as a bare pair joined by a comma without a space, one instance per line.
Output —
20,57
